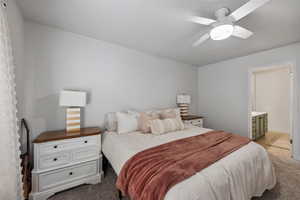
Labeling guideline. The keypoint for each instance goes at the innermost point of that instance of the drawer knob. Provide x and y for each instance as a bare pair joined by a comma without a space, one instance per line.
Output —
71,173
86,141
55,147
55,159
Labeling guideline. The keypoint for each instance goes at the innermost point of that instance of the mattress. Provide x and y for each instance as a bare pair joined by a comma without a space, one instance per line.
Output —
241,175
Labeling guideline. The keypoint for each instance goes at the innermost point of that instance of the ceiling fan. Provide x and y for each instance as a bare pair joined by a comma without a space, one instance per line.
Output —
224,26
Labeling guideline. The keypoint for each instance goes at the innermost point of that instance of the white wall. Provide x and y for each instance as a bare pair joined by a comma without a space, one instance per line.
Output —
15,20
116,78
272,95
223,89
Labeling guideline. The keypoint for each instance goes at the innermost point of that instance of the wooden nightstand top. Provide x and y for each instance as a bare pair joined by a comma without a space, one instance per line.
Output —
62,134
191,117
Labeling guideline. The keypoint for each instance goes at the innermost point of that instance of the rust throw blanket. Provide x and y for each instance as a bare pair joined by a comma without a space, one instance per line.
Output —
149,174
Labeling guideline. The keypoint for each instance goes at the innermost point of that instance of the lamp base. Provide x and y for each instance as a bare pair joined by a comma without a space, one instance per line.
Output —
184,109
73,120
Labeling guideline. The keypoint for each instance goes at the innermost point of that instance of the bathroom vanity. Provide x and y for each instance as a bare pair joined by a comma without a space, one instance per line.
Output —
259,124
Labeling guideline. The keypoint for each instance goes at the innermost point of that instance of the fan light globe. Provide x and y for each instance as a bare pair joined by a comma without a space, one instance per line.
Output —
221,32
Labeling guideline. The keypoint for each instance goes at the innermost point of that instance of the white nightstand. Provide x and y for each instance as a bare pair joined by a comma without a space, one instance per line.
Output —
64,160
193,120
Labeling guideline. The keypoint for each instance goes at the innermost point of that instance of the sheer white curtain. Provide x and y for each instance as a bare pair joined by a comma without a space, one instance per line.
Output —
10,177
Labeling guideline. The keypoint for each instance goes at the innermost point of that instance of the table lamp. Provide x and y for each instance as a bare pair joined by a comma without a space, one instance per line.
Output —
183,102
73,100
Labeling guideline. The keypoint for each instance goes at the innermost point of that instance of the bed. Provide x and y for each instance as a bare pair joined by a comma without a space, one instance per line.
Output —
240,175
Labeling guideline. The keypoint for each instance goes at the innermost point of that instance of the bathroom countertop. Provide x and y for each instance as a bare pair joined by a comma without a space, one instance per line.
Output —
254,113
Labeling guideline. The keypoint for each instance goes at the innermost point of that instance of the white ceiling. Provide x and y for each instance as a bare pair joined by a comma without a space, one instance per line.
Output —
159,26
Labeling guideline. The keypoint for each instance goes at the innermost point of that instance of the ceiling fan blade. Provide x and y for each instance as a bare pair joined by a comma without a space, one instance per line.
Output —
202,39
241,32
202,20
247,8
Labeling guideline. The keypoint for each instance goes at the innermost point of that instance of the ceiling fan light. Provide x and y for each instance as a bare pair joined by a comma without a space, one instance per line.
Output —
221,32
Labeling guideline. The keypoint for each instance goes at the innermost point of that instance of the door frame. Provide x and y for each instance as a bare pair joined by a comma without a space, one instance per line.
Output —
293,96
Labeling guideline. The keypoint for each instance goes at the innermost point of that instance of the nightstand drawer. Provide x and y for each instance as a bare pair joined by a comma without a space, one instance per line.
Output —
63,176
54,160
85,153
57,146
195,122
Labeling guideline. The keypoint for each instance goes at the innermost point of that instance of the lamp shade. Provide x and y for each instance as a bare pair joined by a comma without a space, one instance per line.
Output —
183,98
71,98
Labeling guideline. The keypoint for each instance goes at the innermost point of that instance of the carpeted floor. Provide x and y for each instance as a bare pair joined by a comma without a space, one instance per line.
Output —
288,180
287,188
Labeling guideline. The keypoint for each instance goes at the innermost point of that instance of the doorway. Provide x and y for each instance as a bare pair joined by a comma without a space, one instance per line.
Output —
271,107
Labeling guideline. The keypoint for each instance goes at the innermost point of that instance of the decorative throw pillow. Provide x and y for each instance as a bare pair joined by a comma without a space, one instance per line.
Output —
144,121
159,126
126,122
165,114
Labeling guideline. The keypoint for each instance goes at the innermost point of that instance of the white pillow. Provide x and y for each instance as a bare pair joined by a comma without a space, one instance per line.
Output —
126,122
133,112
110,121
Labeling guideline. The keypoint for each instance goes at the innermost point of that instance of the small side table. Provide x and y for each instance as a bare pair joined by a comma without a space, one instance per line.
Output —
63,160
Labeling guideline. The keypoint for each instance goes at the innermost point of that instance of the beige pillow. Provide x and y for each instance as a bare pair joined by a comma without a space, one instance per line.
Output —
144,121
159,126
165,114
171,111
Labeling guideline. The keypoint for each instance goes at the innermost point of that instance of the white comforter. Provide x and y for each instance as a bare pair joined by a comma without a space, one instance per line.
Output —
241,175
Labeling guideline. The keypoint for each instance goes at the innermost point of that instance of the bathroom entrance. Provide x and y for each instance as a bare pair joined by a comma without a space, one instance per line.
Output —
271,107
